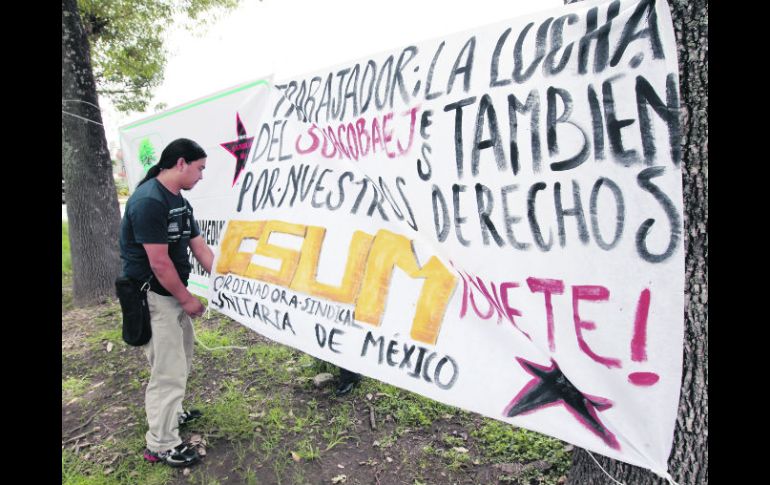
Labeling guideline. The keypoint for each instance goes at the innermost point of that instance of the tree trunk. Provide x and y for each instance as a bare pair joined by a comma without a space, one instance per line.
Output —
92,206
688,463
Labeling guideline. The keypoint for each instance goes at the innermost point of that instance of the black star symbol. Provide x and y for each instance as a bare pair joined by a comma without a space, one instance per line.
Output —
551,387
239,148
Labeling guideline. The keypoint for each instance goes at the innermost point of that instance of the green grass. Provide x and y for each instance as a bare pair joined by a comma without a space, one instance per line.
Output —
306,450
114,335
213,338
503,443
273,423
131,468
203,478
309,366
228,416
407,408
340,427
307,421
249,477
452,440
110,316
455,459
66,268
272,355
75,471
74,386
273,361
66,259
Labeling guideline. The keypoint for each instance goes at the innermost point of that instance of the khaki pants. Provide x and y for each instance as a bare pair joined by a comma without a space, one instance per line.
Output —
170,352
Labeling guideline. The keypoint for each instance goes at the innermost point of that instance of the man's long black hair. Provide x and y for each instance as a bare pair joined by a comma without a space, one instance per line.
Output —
181,147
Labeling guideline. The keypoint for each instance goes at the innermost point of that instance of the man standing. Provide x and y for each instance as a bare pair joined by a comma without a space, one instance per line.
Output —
157,228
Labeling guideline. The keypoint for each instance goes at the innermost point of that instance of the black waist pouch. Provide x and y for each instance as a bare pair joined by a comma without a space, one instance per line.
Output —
136,313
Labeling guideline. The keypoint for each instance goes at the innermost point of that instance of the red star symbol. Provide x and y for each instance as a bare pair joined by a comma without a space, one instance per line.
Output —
239,148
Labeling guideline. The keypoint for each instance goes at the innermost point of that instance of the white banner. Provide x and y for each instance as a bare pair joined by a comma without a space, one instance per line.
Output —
492,219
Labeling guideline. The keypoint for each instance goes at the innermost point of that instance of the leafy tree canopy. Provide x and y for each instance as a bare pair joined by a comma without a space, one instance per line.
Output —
127,42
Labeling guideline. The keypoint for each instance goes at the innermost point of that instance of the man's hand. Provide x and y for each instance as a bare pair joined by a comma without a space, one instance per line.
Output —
165,272
193,307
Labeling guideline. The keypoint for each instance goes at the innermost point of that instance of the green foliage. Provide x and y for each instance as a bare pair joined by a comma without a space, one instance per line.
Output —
127,42
147,154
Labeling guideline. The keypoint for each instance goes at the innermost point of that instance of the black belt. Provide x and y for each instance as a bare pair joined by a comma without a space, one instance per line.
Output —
156,287
159,290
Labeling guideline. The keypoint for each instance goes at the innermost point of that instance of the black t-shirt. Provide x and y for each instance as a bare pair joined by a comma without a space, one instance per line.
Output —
154,215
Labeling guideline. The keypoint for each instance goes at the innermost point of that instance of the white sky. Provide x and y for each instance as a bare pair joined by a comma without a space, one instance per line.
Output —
291,37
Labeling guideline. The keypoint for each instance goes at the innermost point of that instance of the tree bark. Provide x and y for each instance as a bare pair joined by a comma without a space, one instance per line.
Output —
92,205
688,463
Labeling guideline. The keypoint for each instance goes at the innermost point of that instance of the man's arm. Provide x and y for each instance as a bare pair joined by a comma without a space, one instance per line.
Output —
202,252
165,272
